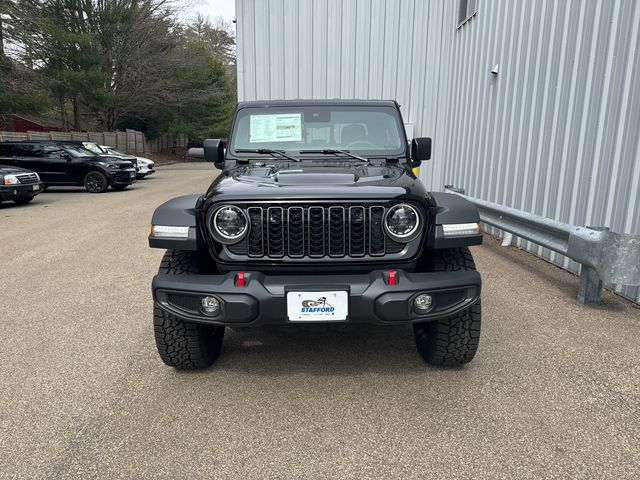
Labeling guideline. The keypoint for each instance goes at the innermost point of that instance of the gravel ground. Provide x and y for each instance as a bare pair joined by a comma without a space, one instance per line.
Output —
554,391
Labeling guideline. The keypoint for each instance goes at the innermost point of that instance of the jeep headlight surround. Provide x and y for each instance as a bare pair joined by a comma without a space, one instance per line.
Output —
229,224
402,222
11,180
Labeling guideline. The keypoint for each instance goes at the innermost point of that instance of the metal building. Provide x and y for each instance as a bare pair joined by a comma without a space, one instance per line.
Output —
531,104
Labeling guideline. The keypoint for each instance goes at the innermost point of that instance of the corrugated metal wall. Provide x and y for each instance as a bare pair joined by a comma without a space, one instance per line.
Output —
556,132
389,49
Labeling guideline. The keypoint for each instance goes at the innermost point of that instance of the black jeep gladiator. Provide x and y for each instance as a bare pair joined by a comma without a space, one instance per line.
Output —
316,217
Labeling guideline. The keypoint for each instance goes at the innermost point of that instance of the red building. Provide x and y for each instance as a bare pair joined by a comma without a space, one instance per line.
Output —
24,123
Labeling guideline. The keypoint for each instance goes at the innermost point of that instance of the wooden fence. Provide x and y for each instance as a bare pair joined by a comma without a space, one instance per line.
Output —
130,141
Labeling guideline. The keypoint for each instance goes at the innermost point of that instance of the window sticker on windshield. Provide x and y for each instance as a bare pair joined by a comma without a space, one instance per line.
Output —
280,127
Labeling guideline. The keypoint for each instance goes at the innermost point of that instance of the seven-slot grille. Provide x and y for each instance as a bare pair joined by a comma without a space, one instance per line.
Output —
27,178
315,231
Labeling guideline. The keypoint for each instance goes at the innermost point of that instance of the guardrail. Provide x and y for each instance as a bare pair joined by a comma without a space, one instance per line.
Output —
605,256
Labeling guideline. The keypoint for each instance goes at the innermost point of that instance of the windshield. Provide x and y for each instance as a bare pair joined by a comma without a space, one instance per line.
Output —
94,147
365,130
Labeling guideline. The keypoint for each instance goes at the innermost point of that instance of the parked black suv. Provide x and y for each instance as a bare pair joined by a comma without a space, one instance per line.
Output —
99,150
316,217
67,163
19,184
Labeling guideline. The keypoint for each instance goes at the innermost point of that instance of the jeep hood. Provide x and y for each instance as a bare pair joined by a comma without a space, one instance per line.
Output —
332,181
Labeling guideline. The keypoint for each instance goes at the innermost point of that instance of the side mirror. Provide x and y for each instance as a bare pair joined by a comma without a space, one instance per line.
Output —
420,150
214,152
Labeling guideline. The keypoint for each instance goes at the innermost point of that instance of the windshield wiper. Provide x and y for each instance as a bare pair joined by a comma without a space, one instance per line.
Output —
335,151
267,151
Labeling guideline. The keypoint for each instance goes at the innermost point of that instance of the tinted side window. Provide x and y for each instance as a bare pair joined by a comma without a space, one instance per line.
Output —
28,150
6,150
52,151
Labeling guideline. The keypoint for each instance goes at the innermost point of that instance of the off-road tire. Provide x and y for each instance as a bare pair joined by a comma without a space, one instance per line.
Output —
451,340
181,344
24,200
95,182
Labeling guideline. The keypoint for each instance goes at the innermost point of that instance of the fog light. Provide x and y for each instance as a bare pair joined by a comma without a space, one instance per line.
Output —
211,305
423,303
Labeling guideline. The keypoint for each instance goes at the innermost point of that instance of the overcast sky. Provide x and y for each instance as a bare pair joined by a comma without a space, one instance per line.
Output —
218,8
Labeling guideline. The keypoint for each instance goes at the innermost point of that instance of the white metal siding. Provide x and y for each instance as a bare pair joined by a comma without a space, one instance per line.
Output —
556,132
382,49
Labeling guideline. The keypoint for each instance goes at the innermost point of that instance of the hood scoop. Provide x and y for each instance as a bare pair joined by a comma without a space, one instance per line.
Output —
324,178
302,175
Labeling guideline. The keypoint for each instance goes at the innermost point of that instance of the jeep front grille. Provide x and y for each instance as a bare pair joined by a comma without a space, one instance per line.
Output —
314,232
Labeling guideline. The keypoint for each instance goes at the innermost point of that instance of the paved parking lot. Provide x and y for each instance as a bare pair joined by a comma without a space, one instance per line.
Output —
554,391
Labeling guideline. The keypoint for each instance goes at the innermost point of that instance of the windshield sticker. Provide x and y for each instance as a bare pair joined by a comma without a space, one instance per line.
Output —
281,127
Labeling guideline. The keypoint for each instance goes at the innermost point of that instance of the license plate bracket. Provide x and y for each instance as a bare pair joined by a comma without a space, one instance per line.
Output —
318,306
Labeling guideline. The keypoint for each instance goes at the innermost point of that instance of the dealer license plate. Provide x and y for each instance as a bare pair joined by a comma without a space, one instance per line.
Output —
330,306
36,187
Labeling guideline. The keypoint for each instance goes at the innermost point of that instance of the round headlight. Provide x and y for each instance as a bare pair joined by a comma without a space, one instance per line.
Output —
230,224
402,222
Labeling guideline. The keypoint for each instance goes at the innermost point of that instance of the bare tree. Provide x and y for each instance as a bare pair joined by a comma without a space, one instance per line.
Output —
111,61
2,10
218,35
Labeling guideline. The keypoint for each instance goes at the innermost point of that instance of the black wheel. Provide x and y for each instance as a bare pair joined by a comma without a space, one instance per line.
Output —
451,340
24,200
95,182
181,344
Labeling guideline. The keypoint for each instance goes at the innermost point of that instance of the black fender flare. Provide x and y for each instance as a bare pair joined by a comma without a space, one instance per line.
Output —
452,209
178,212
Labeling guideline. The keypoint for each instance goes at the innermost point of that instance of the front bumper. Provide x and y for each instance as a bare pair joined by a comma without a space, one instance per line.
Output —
123,177
263,298
146,170
20,190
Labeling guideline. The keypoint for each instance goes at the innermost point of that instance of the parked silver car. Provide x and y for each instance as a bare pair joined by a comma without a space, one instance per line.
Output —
146,166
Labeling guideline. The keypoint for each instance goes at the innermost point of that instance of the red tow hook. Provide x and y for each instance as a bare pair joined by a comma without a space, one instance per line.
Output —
393,277
240,279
